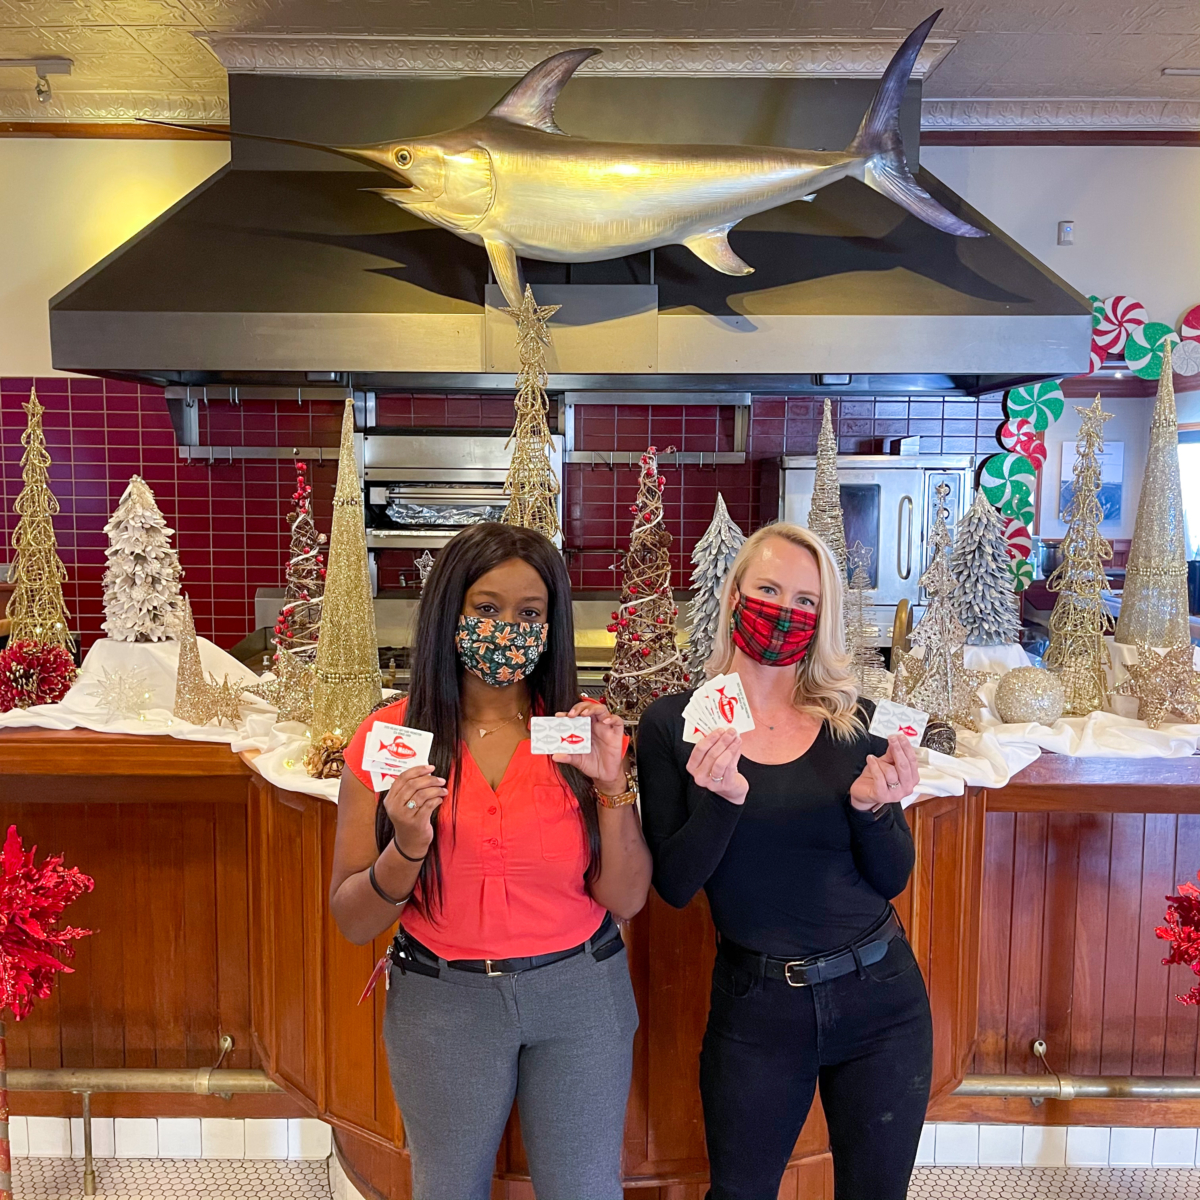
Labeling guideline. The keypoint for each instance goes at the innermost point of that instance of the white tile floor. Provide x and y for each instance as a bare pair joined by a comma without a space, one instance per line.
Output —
1051,1183
165,1179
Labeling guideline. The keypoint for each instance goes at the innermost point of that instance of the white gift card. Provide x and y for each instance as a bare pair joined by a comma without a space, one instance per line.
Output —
381,781
395,748
719,703
560,735
891,717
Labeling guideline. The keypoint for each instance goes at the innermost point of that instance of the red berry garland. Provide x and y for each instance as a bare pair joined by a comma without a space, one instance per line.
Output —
34,673
31,902
1182,930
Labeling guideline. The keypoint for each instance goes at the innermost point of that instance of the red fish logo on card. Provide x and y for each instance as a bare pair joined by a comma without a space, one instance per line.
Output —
726,706
908,731
572,739
399,748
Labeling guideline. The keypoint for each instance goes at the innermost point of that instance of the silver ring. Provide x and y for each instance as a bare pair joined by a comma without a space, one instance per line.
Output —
716,778
892,787
410,804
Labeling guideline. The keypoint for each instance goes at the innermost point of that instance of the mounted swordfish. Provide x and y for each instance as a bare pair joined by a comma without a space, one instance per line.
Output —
514,183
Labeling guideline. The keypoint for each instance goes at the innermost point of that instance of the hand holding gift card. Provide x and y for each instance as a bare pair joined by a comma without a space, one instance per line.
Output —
560,735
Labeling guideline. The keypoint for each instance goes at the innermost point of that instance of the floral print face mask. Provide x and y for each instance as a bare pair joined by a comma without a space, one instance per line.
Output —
499,652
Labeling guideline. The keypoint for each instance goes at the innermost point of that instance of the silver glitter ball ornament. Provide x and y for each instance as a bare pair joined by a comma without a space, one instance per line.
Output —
1029,694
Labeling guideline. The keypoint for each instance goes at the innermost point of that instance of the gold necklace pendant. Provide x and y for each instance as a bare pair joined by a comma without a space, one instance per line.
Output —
483,732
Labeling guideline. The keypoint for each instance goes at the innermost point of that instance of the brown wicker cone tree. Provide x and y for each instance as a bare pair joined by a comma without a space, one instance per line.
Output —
646,663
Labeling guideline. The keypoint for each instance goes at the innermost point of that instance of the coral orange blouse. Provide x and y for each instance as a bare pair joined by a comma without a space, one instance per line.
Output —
513,868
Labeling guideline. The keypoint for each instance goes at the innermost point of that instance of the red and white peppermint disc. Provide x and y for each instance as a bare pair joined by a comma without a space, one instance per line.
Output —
1096,359
1122,315
1018,538
1019,435
1189,330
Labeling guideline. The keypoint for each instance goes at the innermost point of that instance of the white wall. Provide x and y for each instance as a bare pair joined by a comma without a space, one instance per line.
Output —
1130,425
64,205
1136,211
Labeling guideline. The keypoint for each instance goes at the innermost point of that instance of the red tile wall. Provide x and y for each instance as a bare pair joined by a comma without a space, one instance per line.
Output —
230,517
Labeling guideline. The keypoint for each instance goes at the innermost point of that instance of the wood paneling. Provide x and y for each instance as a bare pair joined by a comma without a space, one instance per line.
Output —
166,970
1071,900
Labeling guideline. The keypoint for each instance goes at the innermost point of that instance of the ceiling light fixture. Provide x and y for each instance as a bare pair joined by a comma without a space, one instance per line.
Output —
1181,70
44,67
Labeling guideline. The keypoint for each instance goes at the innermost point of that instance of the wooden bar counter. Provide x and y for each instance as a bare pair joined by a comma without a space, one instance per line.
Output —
210,916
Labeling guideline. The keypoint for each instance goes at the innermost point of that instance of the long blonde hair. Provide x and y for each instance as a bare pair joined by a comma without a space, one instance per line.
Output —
825,686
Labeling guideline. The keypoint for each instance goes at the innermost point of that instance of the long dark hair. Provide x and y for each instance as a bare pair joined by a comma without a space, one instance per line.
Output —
434,696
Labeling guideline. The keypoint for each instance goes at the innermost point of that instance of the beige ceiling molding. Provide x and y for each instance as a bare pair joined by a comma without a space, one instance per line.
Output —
194,107
299,54
1060,114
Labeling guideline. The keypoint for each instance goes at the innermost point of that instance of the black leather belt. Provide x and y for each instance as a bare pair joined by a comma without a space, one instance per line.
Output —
409,955
804,972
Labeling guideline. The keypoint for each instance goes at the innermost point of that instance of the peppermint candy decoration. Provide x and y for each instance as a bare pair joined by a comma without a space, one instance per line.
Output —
1019,503
1189,329
1021,570
1001,472
1021,437
1096,357
1185,358
1018,538
1122,315
1144,349
1039,403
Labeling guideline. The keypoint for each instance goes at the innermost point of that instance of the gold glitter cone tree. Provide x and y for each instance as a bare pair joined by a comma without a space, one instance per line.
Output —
36,607
1154,604
825,514
1080,620
195,695
348,683
646,660
531,485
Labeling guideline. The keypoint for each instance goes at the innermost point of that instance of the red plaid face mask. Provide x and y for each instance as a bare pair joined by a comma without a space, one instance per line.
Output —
769,633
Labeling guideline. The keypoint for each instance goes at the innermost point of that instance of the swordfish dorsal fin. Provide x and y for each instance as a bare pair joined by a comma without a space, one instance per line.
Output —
531,102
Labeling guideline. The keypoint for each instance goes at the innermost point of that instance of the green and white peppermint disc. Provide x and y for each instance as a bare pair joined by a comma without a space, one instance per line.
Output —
1001,473
1041,403
1019,503
1021,570
1144,348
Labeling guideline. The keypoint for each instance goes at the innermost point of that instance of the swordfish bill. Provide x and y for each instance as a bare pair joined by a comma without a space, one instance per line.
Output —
516,184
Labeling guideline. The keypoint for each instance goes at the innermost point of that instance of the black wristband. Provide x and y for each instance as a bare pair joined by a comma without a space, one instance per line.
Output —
407,857
380,892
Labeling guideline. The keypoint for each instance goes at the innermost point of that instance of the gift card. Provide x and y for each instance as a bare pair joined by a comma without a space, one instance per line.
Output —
727,698
395,748
560,735
891,717
381,781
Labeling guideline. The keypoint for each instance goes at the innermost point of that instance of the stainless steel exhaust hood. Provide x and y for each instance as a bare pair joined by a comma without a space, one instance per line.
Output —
279,267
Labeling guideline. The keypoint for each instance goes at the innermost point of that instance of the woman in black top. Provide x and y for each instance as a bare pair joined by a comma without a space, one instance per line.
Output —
795,832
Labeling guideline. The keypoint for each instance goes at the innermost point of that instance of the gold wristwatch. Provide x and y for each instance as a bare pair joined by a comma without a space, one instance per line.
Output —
619,801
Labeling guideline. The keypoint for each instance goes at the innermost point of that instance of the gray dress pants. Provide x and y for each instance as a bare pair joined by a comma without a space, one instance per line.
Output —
558,1039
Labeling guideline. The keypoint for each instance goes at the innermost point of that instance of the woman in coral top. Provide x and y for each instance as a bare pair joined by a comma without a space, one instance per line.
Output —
508,977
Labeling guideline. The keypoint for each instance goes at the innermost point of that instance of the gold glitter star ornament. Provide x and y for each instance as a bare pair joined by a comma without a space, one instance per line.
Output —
1166,683
291,689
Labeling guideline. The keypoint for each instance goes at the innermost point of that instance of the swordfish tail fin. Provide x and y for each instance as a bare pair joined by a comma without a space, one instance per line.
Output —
879,145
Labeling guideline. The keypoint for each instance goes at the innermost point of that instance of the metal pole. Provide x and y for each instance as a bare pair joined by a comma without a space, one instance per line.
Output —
1079,1087
200,1081
5,1153
89,1165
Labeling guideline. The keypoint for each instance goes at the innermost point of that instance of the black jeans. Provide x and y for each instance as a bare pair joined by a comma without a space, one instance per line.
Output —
867,1041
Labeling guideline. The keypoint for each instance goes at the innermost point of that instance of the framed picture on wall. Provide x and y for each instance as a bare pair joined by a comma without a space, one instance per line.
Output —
1112,476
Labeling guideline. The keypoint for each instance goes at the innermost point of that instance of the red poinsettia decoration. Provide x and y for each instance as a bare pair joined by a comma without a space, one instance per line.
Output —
1182,930
34,673
32,899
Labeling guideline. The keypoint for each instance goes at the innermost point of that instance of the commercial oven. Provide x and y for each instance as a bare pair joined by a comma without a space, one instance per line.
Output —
888,504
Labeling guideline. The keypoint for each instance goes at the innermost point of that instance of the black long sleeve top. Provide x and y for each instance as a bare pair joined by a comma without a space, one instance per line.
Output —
794,871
